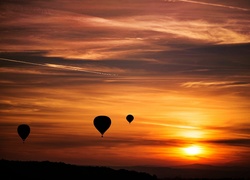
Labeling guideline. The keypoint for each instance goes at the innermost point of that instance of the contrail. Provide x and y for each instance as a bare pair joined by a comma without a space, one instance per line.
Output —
58,66
23,62
217,5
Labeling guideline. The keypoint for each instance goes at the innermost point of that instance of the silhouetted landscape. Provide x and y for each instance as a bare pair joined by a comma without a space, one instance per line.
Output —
46,170
58,170
195,171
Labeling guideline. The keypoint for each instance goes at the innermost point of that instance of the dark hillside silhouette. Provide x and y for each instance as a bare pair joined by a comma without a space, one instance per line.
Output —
194,172
28,170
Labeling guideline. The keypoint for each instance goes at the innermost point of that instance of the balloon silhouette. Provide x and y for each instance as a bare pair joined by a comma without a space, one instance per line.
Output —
23,131
130,118
102,123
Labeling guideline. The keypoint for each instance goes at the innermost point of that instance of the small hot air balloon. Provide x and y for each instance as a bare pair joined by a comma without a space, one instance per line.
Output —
130,118
23,131
102,123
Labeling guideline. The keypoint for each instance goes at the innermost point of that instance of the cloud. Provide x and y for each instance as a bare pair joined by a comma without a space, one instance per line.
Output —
232,142
214,4
17,70
170,125
74,68
74,35
220,84
54,135
68,141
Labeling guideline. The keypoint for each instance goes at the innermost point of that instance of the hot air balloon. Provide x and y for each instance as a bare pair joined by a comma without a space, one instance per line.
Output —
130,118
23,131
102,123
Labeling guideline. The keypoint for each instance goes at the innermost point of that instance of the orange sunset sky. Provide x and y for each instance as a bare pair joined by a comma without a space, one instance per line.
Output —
180,67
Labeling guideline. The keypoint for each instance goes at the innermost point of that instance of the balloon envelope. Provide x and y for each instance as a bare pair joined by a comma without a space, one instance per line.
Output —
23,131
102,123
130,118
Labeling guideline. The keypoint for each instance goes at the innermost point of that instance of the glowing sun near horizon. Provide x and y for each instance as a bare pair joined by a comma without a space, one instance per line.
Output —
193,150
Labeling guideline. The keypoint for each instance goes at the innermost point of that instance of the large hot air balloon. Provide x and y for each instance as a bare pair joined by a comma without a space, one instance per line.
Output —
102,123
23,131
130,118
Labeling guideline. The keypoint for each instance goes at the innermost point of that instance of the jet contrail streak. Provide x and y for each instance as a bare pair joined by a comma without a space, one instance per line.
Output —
217,5
23,62
58,66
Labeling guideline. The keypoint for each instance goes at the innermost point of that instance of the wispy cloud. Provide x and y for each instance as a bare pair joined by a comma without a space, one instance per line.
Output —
214,4
221,84
232,142
74,68
170,125
87,36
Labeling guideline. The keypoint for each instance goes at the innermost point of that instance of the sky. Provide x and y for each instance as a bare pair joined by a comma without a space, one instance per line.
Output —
180,67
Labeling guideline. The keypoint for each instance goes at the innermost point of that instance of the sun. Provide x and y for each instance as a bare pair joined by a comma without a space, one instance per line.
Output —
193,150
